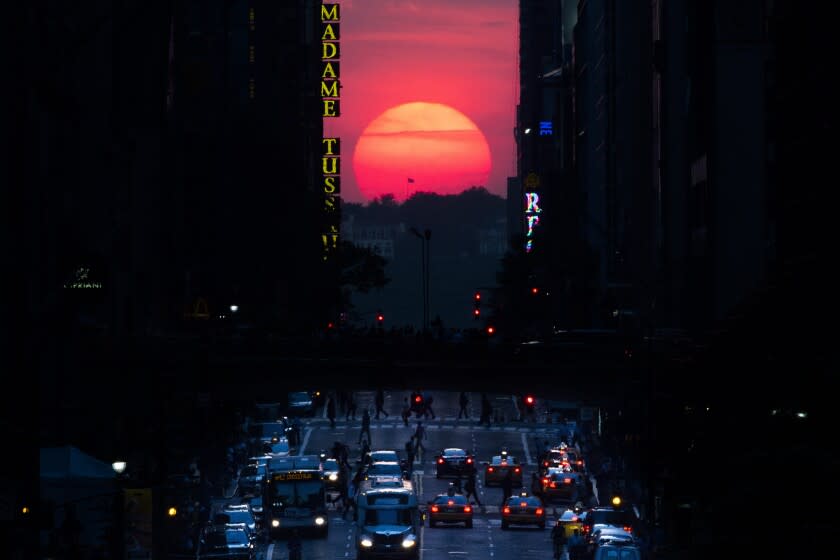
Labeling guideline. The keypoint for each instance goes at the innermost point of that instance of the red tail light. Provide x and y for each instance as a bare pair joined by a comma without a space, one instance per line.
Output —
545,463
467,509
440,461
553,484
628,528
586,528
469,459
435,509
489,469
506,510
580,462
516,469
545,481
450,502
523,504
567,481
539,511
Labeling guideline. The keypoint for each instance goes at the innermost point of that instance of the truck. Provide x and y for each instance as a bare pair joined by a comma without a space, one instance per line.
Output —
294,496
388,519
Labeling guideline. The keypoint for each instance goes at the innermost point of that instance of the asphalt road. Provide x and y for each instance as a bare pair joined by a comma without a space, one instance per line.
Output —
485,539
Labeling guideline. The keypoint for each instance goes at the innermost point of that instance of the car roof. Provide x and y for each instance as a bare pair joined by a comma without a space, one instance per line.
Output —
457,497
497,459
454,451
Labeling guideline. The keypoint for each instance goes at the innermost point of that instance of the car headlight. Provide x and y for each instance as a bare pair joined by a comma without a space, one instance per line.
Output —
333,477
408,542
366,542
275,522
320,520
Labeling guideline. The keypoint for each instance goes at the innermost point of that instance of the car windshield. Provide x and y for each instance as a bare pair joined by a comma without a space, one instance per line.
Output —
236,537
377,469
519,500
610,517
388,517
619,553
457,499
299,494
454,453
498,460
240,517
383,456
299,397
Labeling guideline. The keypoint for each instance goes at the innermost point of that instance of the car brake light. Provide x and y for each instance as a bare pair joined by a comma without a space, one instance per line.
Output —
469,459
580,462
523,504
440,461
434,509
506,510
539,511
489,469
567,481
467,509
628,528
545,463
450,502
516,469
545,481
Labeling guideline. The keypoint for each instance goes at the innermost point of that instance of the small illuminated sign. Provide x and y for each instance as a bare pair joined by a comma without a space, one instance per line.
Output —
83,281
295,475
330,92
546,128
532,215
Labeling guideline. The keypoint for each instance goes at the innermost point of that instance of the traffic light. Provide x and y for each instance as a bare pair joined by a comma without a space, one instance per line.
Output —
535,291
477,304
530,402
380,318
491,330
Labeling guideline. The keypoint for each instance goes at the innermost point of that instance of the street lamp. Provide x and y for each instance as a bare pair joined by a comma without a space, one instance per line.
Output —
234,308
119,467
118,543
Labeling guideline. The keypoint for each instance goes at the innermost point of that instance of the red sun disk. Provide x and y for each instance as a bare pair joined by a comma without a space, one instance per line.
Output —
438,147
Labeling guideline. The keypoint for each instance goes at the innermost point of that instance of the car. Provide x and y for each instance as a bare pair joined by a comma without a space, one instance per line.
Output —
576,461
497,468
616,547
454,461
277,447
623,518
571,522
227,542
555,458
241,515
382,455
560,485
333,477
523,509
251,478
300,403
383,468
451,508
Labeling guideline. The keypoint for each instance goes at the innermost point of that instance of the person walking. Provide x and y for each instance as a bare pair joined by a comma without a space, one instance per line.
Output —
410,451
406,411
331,412
470,489
558,539
365,426
419,436
486,410
463,401
379,401
351,406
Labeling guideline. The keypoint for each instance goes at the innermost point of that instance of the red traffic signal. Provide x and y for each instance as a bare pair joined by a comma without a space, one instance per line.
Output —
478,296
477,313
535,290
380,317
418,399
530,400
491,330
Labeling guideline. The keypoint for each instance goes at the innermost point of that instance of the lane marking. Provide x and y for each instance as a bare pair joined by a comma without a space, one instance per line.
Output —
270,552
525,445
305,441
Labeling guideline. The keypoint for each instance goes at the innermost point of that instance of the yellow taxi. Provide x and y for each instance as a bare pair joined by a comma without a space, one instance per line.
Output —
524,509
450,508
570,521
497,468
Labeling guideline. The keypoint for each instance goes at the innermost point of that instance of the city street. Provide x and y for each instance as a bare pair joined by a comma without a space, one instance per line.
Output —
485,539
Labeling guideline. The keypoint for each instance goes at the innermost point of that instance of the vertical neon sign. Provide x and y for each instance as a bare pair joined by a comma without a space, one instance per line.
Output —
532,210
330,153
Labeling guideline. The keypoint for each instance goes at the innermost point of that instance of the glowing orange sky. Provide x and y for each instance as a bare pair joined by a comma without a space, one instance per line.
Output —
438,147
461,54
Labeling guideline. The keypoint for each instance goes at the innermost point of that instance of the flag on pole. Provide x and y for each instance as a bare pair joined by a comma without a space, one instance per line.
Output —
410,180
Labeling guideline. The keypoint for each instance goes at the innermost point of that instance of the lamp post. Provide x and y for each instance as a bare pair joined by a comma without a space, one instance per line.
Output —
118,543
424,237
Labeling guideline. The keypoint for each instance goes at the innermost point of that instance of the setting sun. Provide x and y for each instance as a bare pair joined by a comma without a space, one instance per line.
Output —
436,146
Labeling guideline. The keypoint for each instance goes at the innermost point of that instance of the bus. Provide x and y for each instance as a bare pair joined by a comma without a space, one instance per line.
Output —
388,519
295,496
